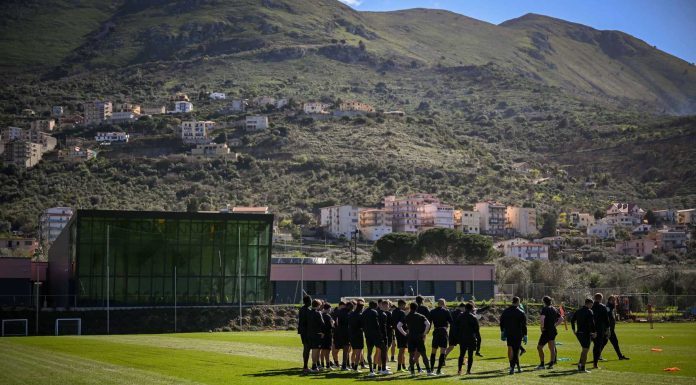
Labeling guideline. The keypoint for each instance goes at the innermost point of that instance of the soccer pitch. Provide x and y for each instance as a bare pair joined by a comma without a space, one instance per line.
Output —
275,358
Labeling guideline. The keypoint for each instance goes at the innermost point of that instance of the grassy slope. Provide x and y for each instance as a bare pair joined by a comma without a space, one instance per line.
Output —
272,357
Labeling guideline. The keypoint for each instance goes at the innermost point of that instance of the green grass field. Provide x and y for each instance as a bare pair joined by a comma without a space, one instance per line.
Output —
274,358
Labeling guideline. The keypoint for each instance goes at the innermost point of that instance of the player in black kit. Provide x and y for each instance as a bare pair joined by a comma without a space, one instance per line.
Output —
601,318
327,337
341,333
355,334
334,317
441,320
585,331
513,326
454,334
315,327
417,327
468,335
374,335
611,305
549,320
398,316
422,309
302,330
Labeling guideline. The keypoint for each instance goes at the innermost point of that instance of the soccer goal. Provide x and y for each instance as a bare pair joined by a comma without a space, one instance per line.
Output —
78,320
393,299
22,320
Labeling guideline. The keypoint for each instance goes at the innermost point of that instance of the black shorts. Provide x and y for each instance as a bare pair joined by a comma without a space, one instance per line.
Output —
340,340
390,338
401,341
357,341
440,338
514,342
326,342
547,336
416,344
584,339
468,344
453,338
315,341
375,341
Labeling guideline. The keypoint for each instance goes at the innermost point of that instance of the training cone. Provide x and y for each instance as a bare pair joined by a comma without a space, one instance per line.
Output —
656,350
671,369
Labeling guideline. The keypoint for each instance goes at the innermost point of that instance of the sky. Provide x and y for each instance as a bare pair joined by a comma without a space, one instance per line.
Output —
668,24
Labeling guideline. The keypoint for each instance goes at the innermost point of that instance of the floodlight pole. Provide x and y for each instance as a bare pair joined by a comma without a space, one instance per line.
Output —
108,303
239,271
174,298
37,285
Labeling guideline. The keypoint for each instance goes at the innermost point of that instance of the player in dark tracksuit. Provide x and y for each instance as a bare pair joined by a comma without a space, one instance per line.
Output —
585,331
417,327
601,318
398,316
327,336
611,305
315,334
422,309
513,326
334,317
341,333
374,334
454,335
468,335
302,329
441,319
355,334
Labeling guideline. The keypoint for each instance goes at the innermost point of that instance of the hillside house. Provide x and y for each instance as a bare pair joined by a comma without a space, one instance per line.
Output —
671,240
491,217
635,247
256,123
43,125
339,221
435,215
374,223
217,96
21,153
404,211
97,112
602,230
467,221
77,154
686,217
123,117
179,97
520,220
315,108
625,213
263,101
57,111
211,150
182,107
238,105
196,132
112,137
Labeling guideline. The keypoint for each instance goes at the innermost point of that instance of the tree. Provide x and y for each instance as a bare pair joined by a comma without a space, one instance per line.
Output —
222,138
396,248
475,248
440,244
548,229
192,205
650,217
361,45
598,214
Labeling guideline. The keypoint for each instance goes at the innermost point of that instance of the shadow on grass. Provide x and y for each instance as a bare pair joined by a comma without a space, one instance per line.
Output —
559,373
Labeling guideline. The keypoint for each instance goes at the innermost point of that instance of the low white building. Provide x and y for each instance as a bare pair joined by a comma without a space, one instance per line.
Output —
217,96
211,150
256,123
339,221
196,131
182,107
529,251
112,137
435,215
602,230
468,221
238,105
374,223
315,108
123,117
157,110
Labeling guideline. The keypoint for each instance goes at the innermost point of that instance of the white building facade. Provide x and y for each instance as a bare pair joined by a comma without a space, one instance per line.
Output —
339,221
374,223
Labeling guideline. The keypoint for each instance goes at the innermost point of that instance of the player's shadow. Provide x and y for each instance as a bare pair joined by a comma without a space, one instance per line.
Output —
278,372
559,373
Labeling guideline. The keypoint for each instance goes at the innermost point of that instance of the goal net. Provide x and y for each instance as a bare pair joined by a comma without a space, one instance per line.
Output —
15,327
69,324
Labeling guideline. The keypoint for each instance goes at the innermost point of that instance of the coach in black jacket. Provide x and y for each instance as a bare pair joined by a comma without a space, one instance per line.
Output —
601,319
513,325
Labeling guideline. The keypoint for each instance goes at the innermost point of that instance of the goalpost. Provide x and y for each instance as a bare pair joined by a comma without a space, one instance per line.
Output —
78,320
23,320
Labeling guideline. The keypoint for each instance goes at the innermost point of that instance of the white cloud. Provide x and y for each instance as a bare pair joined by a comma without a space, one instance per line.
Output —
352,3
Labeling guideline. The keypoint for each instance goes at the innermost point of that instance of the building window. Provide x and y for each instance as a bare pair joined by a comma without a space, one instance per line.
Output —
426,287
464,287
316,288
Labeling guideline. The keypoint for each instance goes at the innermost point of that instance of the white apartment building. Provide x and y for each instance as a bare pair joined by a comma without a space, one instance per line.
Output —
122,117
182,106
491,217
339,220
529,251
34,135
315,108
52,222
256,123
374,223
97,112
435,215
404,211
43,125
112,137
601,230
238,105
22,153
467,221
625,213
196,132
521,220
582,220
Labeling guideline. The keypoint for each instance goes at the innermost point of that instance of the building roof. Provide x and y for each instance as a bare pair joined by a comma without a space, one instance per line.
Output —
252,210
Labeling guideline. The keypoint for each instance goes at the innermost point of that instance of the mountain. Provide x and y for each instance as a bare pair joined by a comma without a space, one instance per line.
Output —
591,112
111,34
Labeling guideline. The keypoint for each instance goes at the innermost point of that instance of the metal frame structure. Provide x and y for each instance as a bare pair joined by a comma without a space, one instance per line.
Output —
79,324
26,326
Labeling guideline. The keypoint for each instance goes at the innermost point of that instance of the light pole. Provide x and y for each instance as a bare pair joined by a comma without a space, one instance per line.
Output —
37,287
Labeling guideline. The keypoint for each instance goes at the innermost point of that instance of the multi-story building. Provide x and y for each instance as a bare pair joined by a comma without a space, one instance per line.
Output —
624,214
404,211
22,153
123,117
671,240
57,110
179,97
196,132
581,220
112,137
529,251
33,135
182,107
77,153
521,220
52,222
128,107
435,215
374,223
97,112
211,150
156,110
492,217
238,105
339,221
256,123
263,101
686,217
43,125
467,221
636,247
666,216
18,247
315,108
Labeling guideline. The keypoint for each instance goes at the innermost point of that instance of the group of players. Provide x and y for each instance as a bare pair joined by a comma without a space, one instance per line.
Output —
383,326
